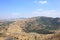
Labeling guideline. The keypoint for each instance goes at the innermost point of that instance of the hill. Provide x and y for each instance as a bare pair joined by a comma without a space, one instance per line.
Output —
42,26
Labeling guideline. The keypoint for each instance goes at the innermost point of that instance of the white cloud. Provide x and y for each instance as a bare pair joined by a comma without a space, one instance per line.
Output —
12,15
39,9
15,15
43,2
49,13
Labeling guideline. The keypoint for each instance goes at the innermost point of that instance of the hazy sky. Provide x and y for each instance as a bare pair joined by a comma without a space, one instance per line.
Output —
29,8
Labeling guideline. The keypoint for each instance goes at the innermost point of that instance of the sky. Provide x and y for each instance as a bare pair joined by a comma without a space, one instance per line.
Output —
29,8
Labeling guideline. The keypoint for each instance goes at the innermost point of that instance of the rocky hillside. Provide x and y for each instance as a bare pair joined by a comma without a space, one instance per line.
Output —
42,24
35,24
30,26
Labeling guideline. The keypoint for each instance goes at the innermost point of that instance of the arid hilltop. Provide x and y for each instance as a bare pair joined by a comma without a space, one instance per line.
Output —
35,28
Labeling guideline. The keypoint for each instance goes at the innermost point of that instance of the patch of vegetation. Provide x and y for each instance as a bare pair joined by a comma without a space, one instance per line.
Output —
2,35
43,25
